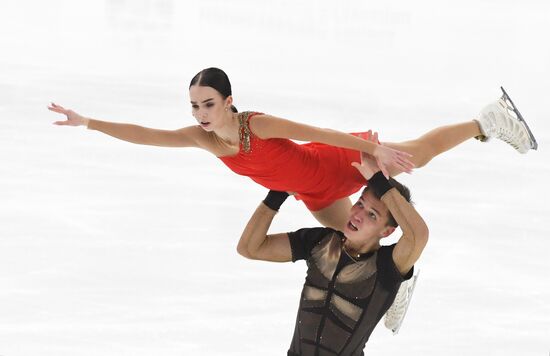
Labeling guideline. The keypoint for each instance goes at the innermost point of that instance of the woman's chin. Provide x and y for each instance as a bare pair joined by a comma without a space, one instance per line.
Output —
206,126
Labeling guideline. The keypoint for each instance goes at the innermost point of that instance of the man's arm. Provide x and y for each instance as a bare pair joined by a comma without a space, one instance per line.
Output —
255,243
415,231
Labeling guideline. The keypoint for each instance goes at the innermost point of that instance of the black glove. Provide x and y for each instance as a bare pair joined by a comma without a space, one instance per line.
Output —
275,199
379,185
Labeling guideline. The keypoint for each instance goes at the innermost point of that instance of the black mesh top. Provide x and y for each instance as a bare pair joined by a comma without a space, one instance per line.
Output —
343,298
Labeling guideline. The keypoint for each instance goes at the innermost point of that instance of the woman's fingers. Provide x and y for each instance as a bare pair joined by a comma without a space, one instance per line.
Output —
406,169
384,171
405,154
53,108
388,157
382,168
365,135
405,161
57,108
400,161
60,110
407,165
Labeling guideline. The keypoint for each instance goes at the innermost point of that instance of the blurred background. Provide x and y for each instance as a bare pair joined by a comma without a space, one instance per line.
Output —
109,248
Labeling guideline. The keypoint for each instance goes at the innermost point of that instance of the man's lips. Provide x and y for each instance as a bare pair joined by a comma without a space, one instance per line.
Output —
352,227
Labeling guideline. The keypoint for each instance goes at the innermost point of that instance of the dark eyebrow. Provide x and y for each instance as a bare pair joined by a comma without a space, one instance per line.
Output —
373,208
204,101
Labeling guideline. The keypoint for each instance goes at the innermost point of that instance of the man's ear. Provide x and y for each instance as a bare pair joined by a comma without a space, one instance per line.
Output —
388,230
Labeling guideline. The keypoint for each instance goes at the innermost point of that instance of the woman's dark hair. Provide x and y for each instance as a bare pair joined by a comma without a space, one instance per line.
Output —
214,78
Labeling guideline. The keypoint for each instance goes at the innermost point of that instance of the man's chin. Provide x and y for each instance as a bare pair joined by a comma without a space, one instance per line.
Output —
349,234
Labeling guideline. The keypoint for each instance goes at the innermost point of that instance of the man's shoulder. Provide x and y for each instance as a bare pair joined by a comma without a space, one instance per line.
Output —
386,265
304,240
384,258
386,250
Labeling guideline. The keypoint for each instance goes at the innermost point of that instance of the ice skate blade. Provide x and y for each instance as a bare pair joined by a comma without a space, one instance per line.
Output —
410,287
508,100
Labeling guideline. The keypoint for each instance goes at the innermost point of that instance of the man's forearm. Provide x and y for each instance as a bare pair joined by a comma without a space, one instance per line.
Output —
255,232
405,214
415,231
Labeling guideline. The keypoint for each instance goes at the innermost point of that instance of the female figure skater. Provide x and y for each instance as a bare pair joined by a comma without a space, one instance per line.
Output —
259,146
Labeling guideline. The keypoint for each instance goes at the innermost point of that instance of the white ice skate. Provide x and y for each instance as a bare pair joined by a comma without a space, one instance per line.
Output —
396,313
503,120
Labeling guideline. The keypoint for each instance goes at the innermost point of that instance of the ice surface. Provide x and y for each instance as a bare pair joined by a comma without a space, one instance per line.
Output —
108,248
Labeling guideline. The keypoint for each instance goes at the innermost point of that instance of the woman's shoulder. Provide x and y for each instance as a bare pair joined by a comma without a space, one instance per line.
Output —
247,115
258,123
203,139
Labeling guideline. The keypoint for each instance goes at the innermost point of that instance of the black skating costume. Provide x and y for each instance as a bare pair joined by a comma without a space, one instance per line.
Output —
343,297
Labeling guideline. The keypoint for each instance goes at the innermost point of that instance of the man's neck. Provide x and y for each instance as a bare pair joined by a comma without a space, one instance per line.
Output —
368,246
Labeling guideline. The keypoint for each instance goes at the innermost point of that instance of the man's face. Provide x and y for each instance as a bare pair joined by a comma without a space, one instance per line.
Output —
367,220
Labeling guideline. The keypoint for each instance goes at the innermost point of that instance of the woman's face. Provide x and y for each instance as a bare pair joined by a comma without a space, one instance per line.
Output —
208,107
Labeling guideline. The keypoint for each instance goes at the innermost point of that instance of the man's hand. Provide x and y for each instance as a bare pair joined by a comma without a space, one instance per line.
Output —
368,166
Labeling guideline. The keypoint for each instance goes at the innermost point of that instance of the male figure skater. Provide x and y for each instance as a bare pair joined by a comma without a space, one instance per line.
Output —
351,280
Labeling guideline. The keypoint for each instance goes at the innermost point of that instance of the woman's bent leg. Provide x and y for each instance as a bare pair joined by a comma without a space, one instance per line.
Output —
336,215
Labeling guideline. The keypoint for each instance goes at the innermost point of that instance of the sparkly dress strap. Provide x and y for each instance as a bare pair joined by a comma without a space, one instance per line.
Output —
244,129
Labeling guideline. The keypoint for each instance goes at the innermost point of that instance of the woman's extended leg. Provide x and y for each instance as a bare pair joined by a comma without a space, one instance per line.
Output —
423,150
435,142
336,215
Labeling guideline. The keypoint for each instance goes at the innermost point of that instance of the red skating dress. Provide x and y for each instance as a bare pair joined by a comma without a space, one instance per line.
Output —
319,174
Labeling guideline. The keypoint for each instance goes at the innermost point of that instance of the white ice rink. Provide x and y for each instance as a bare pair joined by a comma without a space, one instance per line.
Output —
109,248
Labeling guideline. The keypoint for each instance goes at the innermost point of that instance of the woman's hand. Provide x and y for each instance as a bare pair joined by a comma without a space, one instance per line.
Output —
73,119
382,158
368,166
386,157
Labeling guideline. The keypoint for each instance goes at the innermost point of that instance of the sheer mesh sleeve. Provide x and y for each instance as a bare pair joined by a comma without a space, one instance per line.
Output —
304,240
387,270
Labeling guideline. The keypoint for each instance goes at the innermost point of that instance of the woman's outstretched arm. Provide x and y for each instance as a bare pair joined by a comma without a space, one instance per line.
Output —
185,137
266,126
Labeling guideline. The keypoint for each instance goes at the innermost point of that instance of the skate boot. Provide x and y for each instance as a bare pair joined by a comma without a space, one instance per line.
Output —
396,313
498,120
